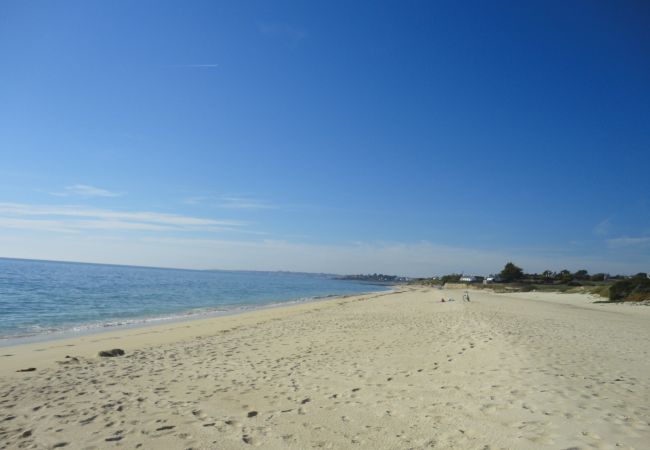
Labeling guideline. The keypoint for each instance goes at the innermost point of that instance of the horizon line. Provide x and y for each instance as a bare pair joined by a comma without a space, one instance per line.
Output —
64,261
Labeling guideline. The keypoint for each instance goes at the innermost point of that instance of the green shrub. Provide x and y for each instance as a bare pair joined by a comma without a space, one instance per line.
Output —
638,296
633,289
451,278
602,291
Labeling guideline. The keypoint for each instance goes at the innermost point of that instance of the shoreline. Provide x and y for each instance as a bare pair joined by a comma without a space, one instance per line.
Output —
51,348
378,371
92,328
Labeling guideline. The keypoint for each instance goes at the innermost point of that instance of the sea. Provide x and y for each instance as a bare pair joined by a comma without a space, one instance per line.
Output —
42,300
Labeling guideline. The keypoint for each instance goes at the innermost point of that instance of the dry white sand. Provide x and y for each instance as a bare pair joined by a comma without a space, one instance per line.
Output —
378,371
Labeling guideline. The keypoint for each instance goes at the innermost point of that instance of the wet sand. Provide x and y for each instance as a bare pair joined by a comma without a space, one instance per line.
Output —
378,371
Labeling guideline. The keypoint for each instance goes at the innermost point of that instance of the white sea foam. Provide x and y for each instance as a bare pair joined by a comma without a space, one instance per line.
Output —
39,333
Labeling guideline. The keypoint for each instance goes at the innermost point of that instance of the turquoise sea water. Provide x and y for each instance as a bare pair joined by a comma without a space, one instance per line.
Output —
44,298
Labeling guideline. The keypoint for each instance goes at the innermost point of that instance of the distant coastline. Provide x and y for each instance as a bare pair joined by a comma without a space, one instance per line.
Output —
376,278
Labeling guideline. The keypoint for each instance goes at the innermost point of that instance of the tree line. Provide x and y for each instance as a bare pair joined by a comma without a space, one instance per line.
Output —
619,287
616,287
512,273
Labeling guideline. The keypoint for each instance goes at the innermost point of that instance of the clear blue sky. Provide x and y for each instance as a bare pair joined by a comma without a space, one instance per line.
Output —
403,137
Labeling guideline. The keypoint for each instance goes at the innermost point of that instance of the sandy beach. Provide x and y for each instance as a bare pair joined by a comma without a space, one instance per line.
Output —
379,371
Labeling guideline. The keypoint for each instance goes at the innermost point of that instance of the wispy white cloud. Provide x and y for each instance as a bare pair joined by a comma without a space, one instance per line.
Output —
76,226
74,218
191,66
195,200
243,203
603,227
229,202
626,241
415,259
47,225
84,190
77,232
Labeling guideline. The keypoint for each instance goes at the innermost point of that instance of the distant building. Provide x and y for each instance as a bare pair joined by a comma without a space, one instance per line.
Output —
468,279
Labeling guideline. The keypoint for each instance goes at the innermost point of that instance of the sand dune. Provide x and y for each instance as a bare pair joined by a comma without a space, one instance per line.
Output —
380,371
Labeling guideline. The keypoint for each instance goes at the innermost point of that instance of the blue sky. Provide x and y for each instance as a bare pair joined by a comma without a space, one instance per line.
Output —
403,137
